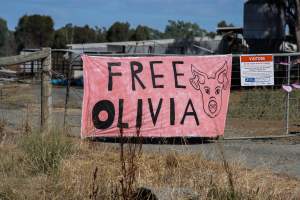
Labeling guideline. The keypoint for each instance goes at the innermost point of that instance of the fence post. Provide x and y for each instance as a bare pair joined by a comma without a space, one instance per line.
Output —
288,97
46,92
70,70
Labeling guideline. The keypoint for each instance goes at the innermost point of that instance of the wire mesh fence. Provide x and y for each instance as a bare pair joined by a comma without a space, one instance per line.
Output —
20,105
253,111
265,110
20,97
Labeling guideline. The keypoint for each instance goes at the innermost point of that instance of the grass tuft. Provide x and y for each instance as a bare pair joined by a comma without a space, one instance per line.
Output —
45,152
50,167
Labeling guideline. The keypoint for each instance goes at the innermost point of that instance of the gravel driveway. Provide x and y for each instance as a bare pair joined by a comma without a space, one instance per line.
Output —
280,155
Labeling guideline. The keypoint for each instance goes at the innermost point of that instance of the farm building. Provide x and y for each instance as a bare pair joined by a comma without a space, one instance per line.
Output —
196,46
221,44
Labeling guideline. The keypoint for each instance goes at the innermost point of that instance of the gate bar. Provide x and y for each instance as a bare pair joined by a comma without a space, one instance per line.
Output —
263,137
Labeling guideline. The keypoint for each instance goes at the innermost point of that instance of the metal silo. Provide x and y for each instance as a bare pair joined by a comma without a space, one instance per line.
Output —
264,26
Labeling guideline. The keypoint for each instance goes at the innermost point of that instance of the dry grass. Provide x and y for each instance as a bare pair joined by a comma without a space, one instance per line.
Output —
93,171
13,95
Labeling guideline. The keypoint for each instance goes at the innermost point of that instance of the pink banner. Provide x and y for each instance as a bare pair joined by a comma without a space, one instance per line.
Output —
171,96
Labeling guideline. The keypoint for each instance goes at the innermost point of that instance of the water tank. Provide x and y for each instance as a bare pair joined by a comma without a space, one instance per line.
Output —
264,26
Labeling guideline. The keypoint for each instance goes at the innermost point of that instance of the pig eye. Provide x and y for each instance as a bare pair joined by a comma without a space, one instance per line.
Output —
218,90
207,90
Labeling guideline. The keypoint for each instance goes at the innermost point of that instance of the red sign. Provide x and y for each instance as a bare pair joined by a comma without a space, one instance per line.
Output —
171,96
261,58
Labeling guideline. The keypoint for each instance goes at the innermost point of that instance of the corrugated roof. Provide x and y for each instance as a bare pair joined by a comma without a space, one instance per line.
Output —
136,43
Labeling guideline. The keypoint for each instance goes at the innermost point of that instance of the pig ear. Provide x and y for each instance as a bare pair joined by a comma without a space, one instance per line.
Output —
198,78
221,76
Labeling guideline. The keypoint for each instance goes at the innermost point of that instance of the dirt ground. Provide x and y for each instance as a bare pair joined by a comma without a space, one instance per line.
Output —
19,104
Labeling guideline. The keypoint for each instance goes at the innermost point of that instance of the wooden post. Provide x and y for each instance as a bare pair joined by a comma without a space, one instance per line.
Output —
46,98
46,93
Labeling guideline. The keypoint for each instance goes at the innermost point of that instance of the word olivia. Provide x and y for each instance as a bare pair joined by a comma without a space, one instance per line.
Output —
107,108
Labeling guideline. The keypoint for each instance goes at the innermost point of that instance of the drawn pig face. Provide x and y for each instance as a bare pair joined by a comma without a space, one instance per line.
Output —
211,87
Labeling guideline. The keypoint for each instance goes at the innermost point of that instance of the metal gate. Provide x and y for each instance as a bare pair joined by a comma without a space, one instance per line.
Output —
265,111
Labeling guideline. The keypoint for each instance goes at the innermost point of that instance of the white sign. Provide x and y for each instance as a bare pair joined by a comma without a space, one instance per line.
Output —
257,70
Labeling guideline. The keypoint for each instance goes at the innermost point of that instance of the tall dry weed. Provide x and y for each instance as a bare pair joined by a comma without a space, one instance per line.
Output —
93,170
130,151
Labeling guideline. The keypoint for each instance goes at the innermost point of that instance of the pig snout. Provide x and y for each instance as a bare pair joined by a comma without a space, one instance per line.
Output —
212,105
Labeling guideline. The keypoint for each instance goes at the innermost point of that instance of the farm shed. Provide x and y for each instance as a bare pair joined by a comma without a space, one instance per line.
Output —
196,46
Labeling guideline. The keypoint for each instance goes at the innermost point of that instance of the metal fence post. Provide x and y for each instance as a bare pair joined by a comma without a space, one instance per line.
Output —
68,91
288,96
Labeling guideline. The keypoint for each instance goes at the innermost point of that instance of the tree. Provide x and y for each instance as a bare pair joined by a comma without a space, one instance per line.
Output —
100,34
145,33
84,34
180,29
141,33
292,15
184,34
155,34
34,31
223,23
59,40
119,31
70,34
3,31
7,40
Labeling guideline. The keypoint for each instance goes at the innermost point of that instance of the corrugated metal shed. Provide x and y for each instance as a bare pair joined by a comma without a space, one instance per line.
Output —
171,46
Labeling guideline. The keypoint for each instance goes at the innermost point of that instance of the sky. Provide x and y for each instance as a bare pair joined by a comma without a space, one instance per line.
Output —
102,13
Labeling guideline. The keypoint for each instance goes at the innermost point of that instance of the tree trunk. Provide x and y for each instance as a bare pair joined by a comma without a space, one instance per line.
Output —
297,32
297,24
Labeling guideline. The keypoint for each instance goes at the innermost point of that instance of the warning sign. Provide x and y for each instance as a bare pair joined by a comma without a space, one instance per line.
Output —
257,70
